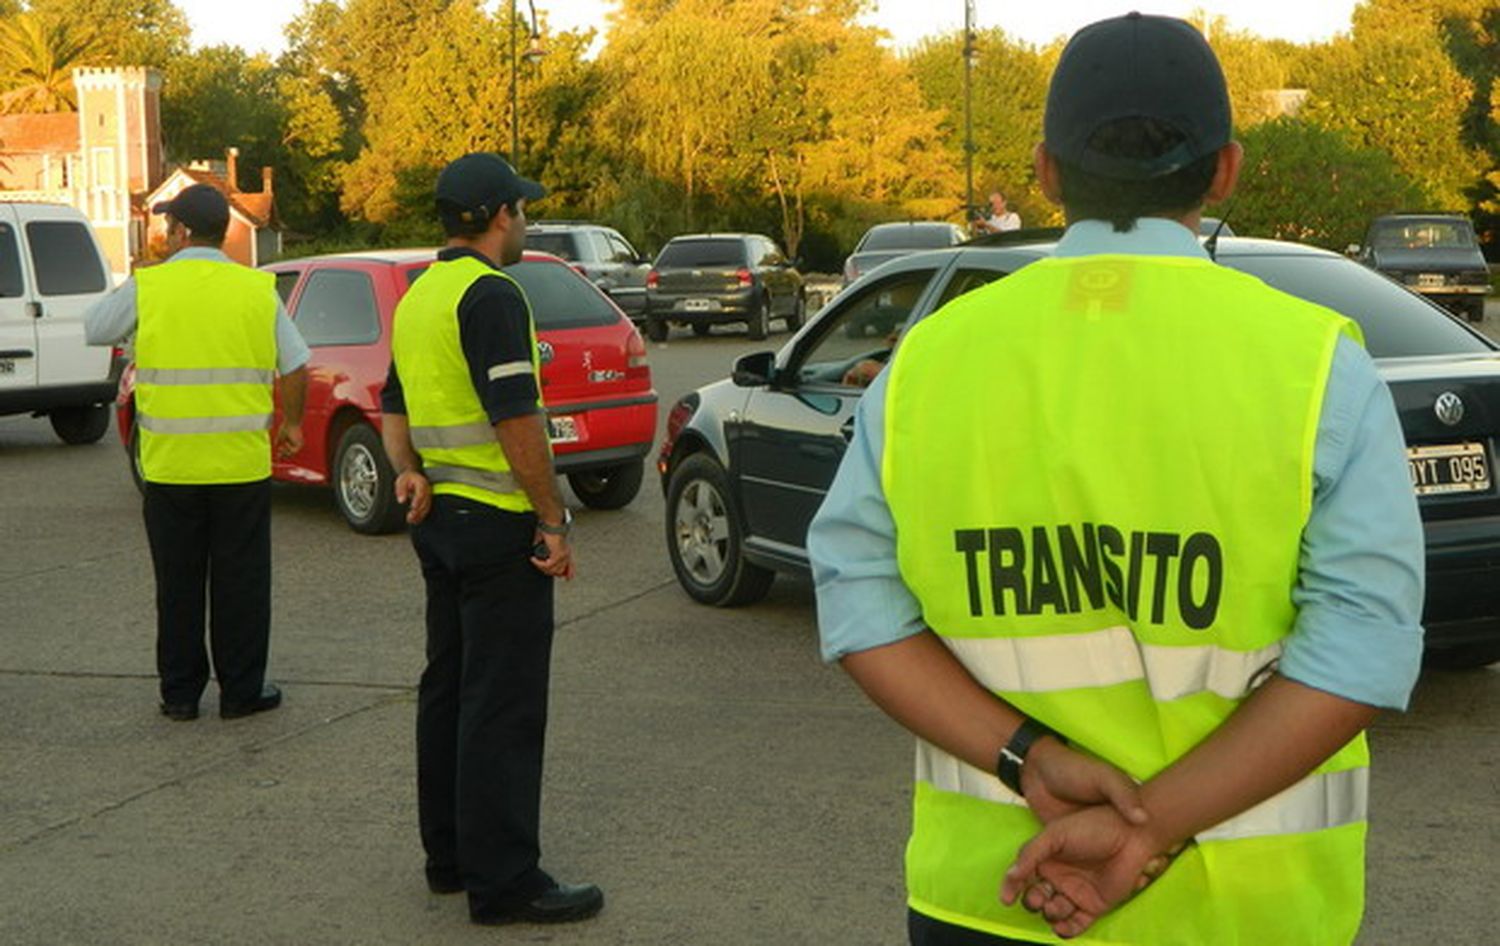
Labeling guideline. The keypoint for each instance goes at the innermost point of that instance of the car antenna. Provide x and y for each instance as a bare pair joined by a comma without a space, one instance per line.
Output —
1212,243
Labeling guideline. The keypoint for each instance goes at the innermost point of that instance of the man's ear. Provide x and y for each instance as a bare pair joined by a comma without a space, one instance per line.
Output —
1227,173
1047,176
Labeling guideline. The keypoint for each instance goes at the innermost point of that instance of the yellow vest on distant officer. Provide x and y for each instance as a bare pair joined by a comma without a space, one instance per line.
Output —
205,366
1099,470
449,425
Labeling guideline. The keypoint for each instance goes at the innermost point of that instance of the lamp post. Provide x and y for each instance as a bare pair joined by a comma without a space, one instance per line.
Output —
534,53
970,55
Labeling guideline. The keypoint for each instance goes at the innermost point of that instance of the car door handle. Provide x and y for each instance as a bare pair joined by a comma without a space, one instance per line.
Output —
34,309
847,429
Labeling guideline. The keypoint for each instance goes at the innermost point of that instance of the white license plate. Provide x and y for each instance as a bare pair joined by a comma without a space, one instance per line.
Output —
1449,468
700,305
7,366
1431,280
563,429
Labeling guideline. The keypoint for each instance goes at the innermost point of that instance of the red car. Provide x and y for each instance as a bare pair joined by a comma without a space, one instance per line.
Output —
596,385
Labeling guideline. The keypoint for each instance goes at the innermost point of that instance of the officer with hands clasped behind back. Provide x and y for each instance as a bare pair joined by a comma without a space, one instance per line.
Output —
465,429
1127,540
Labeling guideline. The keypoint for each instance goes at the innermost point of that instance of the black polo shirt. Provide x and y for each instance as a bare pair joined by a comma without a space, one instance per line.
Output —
495,332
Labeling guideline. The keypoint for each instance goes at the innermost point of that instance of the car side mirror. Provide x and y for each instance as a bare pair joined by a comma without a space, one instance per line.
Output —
755,370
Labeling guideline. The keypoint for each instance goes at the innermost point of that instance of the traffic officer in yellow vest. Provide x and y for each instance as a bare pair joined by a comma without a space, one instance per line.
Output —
464,428
1127,513
211,337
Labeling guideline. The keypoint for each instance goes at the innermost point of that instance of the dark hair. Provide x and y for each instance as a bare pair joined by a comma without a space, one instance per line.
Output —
213,238
1088,196
454,224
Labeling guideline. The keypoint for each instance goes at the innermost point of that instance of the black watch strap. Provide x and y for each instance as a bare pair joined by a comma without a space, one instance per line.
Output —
1013,756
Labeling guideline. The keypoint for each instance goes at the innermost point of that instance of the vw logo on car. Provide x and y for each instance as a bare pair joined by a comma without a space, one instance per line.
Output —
1449,408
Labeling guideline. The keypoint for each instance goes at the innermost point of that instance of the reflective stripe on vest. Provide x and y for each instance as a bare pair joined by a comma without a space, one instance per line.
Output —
205,365
1099,470
448,424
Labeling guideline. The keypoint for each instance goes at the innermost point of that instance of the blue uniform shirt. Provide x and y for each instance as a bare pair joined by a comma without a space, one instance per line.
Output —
1360,582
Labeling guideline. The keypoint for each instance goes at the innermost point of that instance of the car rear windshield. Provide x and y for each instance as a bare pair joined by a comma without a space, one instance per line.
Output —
1396,323
560,245
1423,235
559,297
701,254
907,238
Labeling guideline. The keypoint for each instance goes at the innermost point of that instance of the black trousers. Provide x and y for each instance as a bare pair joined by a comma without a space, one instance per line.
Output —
482,703
211,550
925,931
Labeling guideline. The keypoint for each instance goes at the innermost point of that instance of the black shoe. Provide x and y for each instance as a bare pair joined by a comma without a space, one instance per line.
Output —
180,712
444,880
269,699
562,903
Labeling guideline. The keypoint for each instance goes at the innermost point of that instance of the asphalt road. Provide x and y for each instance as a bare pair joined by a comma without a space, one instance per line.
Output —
720,783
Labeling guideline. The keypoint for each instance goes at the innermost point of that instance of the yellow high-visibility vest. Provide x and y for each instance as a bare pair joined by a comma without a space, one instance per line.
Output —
450,428
205,366
1099,470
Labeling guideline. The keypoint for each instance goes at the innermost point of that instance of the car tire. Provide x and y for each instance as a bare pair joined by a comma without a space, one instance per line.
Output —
133,458
76,426
364,483
704,535
1472,656
656,328
759,322
611,487
799,313
1476,311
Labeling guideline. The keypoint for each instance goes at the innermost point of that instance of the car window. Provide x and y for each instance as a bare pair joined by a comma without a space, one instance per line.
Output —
864,326
907,237
702,254
600,242
12,283
337,307
560,298
559,244
966,280
1396,323
620,249
1423,235
285,283
64,259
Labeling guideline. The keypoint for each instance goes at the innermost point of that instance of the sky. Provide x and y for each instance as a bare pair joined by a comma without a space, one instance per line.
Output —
258,26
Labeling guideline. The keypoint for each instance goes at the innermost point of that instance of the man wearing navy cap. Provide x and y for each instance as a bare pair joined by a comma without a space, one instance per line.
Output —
1140,615
464,427
211,339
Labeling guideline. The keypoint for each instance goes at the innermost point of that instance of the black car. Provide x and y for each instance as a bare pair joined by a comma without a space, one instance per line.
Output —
601,254
1434,254
747,461
886,241
708,279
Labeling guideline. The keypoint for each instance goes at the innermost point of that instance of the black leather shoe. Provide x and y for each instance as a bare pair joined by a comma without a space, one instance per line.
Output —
563,903
180,712
444,880
269,699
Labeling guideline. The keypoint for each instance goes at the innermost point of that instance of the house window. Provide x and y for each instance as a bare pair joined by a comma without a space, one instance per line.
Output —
104,167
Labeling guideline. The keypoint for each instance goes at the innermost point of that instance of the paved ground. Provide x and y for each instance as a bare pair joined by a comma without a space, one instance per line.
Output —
722,785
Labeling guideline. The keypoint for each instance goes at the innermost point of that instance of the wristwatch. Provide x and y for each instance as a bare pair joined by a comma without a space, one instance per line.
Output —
1013,757
562,529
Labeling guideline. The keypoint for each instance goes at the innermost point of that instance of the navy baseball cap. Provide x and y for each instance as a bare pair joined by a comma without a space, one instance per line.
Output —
474,187
1137,66
201,208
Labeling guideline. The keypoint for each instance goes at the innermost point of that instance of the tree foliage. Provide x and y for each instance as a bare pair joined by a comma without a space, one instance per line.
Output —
38,54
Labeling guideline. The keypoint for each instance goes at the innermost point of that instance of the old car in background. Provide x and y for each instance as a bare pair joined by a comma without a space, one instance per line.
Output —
601,254
886,241
708,279
747,461
1437,255
596,384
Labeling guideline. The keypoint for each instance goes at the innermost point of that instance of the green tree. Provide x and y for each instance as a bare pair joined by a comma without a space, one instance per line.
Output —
130,32
1310,184
38,54
1253,69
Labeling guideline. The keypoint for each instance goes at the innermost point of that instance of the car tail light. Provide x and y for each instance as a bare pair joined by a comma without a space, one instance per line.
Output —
681,413
653,279
851,271
636,367
744,277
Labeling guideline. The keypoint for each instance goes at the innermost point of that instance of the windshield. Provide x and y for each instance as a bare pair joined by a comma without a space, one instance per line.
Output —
1396,323
702,254
1423,235
558,244
559,297
907,237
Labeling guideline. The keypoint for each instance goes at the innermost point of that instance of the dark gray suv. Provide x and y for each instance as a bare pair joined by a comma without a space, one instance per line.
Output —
601,254
710,278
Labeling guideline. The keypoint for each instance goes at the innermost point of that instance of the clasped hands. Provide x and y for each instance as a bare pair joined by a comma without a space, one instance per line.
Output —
1096,849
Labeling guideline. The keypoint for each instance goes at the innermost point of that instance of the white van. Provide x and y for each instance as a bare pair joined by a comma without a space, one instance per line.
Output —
51,270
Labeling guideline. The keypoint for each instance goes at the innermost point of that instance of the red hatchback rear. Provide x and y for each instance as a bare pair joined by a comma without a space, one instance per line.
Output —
596,385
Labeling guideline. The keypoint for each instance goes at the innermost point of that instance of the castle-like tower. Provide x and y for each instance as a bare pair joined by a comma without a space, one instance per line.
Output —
120,153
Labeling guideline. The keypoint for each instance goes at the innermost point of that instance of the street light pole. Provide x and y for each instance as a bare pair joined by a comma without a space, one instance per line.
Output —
968,111
534,52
